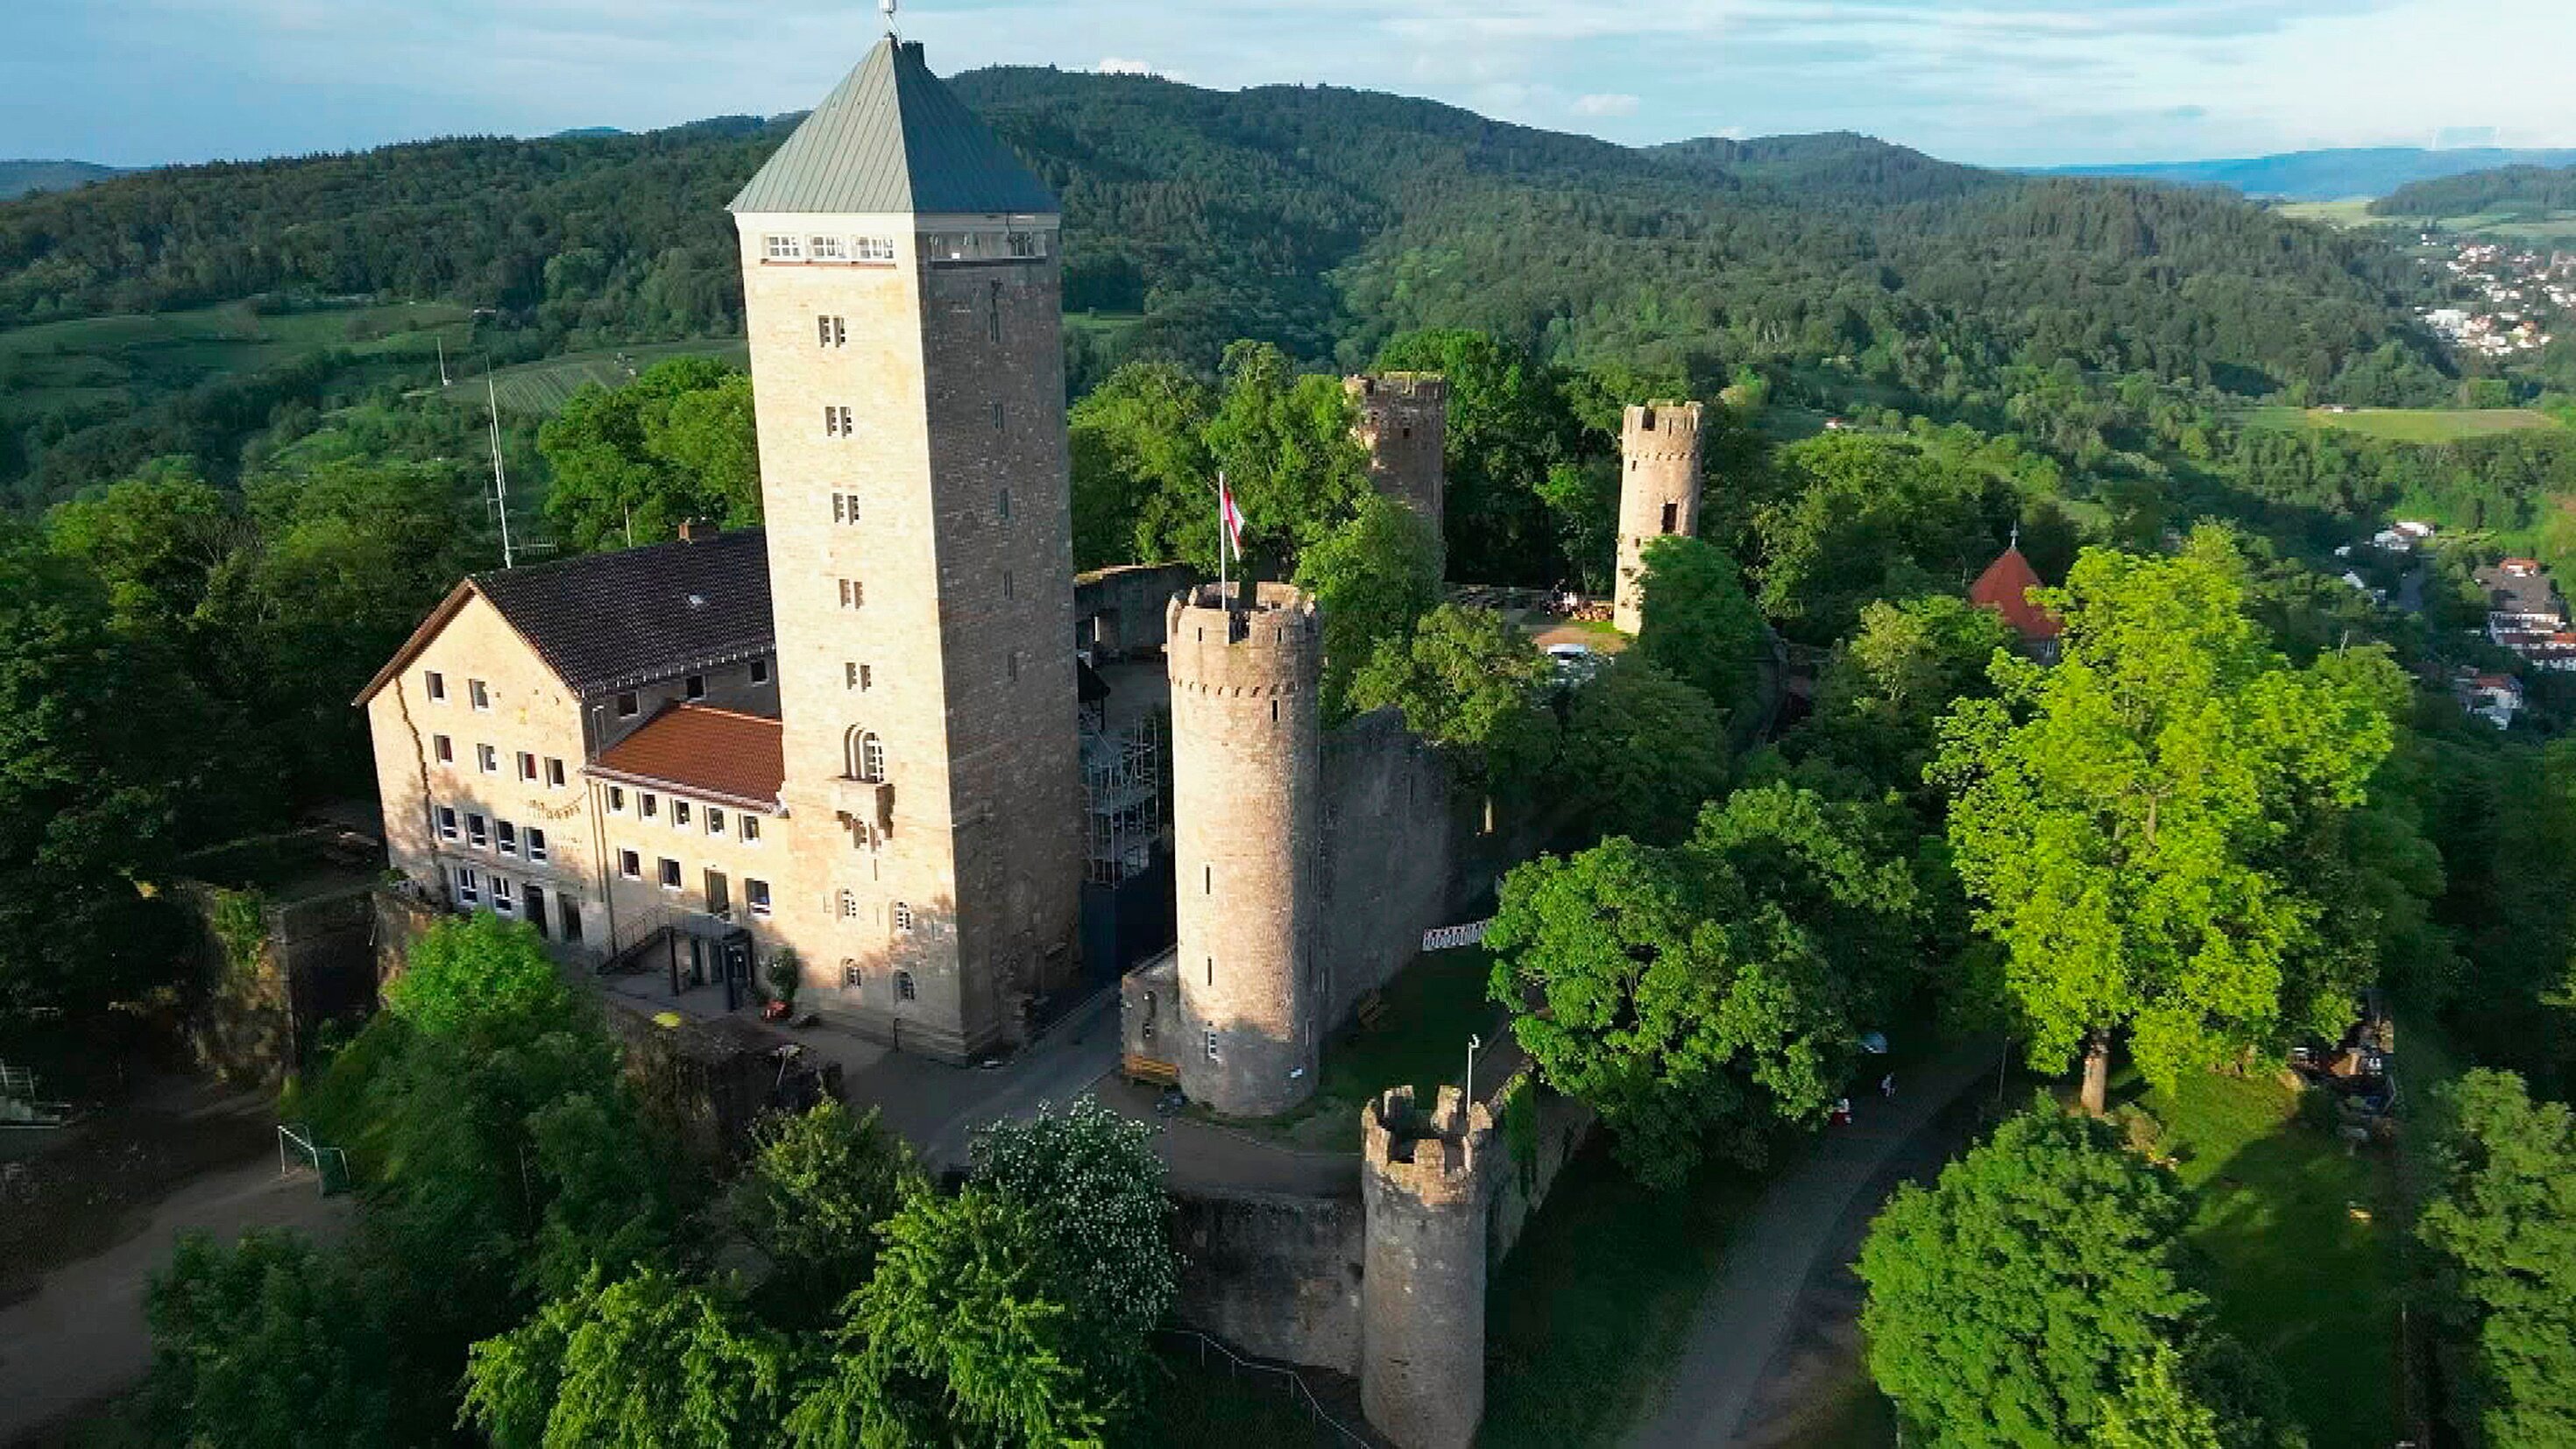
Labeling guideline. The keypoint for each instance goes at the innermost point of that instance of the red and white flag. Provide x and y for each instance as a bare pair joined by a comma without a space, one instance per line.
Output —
1229,517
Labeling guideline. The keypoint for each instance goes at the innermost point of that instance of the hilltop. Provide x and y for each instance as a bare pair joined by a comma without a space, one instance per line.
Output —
2331,175
17,178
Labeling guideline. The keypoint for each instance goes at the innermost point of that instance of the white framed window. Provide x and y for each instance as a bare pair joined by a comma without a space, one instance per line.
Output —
647,804
849,905
826,249
836,422
845,508
857,676
477,832
447,822
902,919
831,331
628,706
851,976
444,748
778,248
1211,1044
904,989
435,685
853,594
750,825
756,893
507,835
527,766
1026,244
670,871
480,693
554,773
504,896
630,865
536,845
469,886
867,756
872,248
679,815
488,758
715,821
616,799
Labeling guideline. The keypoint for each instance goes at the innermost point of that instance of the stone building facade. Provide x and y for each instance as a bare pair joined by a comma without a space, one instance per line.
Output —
1247,765
1403,422
1659,483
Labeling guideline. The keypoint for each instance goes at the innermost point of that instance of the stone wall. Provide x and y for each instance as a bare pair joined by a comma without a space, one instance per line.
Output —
1278,1277
1402,419
1118,612
1385,875
1541,1131
315,961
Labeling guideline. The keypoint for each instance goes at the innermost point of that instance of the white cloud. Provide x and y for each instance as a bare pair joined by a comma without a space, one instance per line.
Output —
1606,104
1119,65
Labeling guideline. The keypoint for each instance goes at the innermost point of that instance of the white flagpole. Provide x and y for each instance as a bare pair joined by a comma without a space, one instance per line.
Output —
1223,534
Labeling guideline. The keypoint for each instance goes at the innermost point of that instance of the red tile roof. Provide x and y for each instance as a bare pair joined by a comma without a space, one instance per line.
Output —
2005,588
695,749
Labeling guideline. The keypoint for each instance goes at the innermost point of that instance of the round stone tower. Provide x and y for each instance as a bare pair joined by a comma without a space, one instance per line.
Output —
1658,491
1247,765
1425,1185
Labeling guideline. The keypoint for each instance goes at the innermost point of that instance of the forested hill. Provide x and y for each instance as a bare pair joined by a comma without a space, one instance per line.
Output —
2506,188
1323,219
17,178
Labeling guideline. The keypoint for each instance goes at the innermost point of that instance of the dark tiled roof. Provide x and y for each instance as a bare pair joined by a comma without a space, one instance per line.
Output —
696,748
2005,588
615,620
892,138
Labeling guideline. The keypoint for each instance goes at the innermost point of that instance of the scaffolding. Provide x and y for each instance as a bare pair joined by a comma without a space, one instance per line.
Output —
1122,786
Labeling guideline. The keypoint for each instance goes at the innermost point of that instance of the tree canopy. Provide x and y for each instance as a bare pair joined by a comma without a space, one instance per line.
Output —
2505,1229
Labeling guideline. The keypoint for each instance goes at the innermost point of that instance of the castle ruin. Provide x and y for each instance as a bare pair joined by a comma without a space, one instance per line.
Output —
1659,483
1403,422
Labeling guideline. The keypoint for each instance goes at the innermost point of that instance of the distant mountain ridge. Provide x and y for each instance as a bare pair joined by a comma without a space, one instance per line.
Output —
17,178
2325,175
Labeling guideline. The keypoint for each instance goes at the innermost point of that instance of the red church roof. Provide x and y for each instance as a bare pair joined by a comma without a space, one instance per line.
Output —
2005,588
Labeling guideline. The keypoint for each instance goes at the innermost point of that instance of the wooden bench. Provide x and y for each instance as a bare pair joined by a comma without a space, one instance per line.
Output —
1146,1069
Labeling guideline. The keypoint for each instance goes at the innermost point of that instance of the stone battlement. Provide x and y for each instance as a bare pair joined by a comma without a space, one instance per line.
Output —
1214,644
1677,420
1440,1158
1398,387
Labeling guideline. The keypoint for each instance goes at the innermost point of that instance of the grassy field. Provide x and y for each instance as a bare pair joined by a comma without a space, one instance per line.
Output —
540,389
2515,225
2307,1245
2404,425
124,359
1431,1008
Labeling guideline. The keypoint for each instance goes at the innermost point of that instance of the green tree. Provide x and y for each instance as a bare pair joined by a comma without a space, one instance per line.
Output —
1143,480
2005,1301
1508,427
469,971
818,1185
640,1363
1643,751
1094,1186
2154,1409
1470,682
2117,818
265,1344
1866,518
1695,622
632,464
156,540
2505,1227
1373,577
1881,696
1285,444
956,1340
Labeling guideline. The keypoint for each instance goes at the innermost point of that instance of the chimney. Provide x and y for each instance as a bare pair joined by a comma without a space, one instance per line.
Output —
697,530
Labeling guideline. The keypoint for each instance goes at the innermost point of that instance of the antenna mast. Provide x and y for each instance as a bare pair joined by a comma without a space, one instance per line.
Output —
500,474
886,8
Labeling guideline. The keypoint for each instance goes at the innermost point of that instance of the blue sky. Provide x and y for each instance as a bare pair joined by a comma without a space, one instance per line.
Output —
1994,81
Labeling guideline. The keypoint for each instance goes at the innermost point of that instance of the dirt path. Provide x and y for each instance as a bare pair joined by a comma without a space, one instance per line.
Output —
1754,1310
80,1339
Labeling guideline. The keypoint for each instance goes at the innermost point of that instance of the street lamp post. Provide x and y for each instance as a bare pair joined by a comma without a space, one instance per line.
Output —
1473,1041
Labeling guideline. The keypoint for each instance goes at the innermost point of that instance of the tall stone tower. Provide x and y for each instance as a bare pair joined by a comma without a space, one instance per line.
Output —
904,306
1247,766
1404,424
1426,1184
1658,491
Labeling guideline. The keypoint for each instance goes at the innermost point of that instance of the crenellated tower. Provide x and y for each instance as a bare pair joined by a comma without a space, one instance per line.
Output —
903,306
1659,480
1403,421
1426,1185
1247,740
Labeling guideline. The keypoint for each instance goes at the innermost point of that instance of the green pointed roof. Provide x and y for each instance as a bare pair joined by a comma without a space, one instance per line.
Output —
892,138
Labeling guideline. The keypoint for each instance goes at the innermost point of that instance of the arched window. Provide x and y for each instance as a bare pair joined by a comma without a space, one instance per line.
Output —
866,755
903,987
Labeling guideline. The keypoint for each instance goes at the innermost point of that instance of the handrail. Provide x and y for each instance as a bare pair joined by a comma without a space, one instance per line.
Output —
1314,1407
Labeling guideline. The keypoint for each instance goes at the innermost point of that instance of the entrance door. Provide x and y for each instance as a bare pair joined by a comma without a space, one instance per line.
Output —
719,900
570,910
537,909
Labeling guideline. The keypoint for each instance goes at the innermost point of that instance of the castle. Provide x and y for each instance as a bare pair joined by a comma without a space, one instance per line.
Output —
888,737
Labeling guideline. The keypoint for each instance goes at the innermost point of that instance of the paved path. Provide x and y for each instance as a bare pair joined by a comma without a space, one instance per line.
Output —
80,1338
1748,1313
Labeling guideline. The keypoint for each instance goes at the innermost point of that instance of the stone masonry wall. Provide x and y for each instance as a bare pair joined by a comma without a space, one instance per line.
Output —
1427,1182
1404,425
1277,1277
1658,491
1386,868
